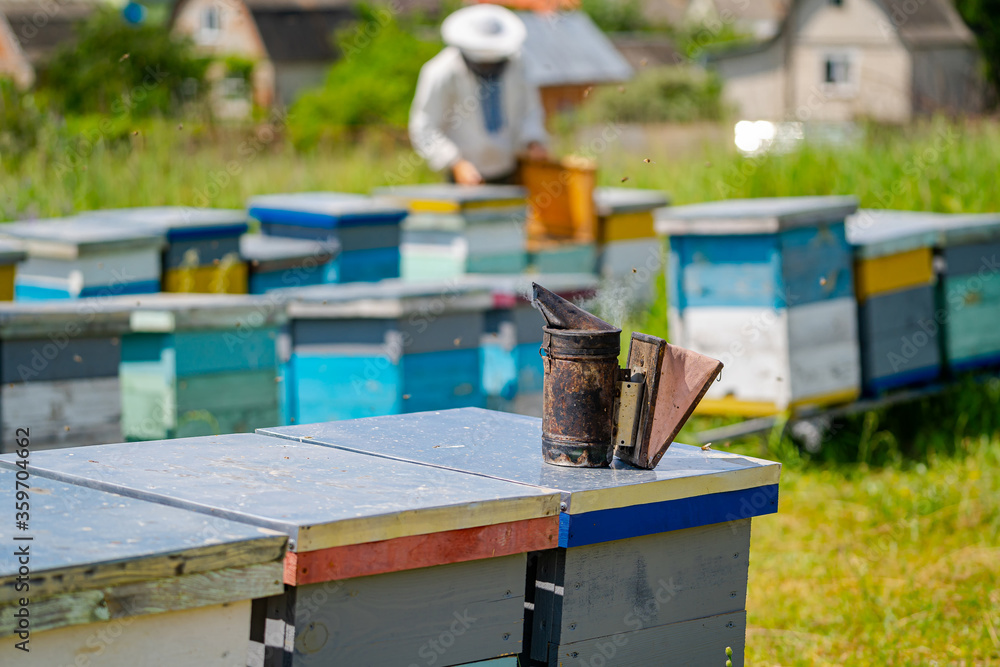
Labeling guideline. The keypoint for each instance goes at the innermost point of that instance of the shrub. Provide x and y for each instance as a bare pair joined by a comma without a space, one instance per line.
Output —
20,121
122,69
659,94
372,84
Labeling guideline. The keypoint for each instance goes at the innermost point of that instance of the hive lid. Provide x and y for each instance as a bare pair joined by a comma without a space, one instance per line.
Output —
611,201
176,222
879,232
324,209
766,215
68,238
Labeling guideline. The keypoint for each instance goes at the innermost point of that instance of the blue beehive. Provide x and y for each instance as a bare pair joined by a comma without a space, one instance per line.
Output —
766,286
69,258
365,229
388,348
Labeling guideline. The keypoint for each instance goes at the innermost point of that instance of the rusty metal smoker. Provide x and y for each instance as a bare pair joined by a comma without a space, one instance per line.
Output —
592,409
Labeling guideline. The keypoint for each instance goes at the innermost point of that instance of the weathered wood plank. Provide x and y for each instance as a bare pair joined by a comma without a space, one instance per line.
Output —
696,643
67,413
209,636
156,596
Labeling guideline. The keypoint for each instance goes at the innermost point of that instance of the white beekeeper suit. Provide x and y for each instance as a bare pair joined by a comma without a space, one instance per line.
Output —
473,105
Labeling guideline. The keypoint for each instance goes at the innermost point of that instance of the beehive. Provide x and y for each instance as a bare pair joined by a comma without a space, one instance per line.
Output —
766,286
366,230
629,252
277,262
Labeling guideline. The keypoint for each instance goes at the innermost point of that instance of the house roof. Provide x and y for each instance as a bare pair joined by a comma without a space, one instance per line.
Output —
566,48
928,23
41,27
299,34
920,25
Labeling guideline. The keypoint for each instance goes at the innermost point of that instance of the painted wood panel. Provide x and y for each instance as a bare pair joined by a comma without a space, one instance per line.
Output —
471,440
7,274
62,413
105,268
202,252
224,278
563,258
972,338
210,636
972,258
657,580
58,357
893,273
625,226
320,496
698,642
449,615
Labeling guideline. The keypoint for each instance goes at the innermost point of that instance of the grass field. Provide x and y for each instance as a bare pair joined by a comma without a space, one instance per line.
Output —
886,549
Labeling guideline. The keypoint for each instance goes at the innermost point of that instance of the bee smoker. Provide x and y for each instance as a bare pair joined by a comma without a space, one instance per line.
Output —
593,410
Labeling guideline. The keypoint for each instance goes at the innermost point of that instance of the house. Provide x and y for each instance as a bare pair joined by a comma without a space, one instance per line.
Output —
291,42
839,60
565,54
30,32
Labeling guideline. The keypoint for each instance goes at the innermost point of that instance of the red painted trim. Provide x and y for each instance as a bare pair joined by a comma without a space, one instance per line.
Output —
408,553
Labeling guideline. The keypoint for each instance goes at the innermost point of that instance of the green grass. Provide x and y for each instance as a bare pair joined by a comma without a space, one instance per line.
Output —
886,547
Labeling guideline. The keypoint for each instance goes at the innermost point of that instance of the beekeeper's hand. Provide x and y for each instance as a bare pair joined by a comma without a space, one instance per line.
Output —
466,173
537,152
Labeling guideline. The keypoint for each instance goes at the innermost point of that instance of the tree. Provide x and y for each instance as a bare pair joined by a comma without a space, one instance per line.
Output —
983,17
124,70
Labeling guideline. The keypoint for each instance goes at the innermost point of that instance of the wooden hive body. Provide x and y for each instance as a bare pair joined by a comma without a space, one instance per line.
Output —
766,286
384,555
646,562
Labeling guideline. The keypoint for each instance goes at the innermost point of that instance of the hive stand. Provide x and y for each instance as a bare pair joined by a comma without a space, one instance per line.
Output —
650,563
390,563
766,286
126,582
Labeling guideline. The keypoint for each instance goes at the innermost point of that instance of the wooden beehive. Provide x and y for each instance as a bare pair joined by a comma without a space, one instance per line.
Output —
366,350
128,581
366,230
894,283
70,258
384,556
629,252
202,254
766,286
59,363
277,262
561,197
197,364
453,230
672,542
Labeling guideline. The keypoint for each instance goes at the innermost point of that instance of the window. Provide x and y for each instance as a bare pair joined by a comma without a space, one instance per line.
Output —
840,72
211,24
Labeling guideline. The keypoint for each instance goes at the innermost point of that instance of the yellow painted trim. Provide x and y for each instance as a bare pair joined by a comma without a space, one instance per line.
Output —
736,407
444,206
7,282
627,226
425,522
225,278
673,489
893,272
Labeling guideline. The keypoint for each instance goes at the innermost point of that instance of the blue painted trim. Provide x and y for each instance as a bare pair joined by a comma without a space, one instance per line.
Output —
273,216
28,292
876,386
214,232
973,363
667,516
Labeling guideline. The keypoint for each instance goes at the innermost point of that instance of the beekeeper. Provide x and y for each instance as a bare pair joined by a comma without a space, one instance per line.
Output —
474,111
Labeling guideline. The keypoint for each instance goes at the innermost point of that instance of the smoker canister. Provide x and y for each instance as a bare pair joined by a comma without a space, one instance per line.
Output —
581,374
